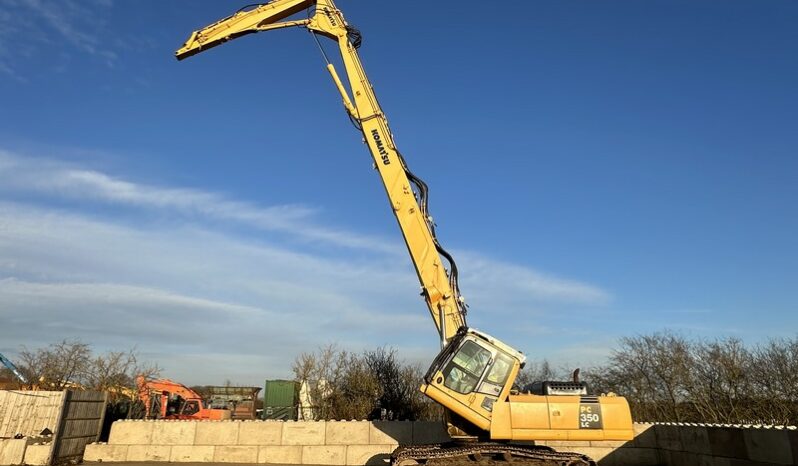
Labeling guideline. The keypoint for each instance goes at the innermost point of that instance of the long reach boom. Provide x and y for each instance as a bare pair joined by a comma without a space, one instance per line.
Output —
10,366
406,192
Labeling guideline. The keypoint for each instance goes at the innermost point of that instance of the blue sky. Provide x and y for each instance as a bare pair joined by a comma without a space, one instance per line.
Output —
599,169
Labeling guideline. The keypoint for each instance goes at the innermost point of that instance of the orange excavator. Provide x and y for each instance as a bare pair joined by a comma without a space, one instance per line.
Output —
166,399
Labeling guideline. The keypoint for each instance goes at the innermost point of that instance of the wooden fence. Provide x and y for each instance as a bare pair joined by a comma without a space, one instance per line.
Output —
80,424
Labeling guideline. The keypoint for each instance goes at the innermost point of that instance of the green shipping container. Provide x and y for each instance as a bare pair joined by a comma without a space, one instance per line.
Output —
279,413
280,393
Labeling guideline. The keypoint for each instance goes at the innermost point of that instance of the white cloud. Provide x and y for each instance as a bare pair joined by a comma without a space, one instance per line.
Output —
29,26
191,291
78,22
54,178
502,285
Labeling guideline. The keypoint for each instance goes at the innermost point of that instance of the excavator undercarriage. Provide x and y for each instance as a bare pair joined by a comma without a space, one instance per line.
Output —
484,454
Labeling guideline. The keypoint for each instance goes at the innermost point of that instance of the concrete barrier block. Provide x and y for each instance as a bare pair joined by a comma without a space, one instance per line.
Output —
235,454
148,452
716,460
566,444
792,435
12,451
686,458
96,452
274,454
304,433
610,443
192,454
347,433
217,433
668,437
131,433
739,462
695,439
704,460
174,433
672,457
679,458
391,432
768,446
640,427
645,436
640,456
360,455
260,433
631,456
596,453
727,442
38,455
429,432
324,454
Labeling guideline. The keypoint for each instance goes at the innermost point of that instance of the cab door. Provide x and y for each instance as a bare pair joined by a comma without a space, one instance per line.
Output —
471,381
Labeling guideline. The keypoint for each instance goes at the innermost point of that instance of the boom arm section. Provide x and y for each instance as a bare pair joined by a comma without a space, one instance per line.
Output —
406,192
10,365
242,22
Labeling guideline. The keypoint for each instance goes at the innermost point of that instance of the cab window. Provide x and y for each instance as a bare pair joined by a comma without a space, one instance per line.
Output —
191,407
500,370
464,370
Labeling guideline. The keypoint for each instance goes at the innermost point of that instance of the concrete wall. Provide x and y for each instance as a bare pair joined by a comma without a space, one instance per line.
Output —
693,445
312,442
362,442
12,451
28,413
28,451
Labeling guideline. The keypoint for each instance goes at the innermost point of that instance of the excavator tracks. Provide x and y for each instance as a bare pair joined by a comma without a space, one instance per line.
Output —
485,454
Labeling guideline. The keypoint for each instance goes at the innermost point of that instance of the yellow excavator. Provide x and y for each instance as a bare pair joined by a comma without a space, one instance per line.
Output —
473,375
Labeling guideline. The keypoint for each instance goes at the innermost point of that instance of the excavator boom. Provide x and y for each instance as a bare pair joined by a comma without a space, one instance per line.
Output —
10,366
406,192
242,22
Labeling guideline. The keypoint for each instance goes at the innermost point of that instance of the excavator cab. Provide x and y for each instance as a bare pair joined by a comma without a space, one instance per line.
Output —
472,372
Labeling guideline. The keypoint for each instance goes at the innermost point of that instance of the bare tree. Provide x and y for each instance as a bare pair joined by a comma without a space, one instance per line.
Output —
116,371
774,377
719,387
326,372
356,390
668,378
71,364
421,407
664,376
58,366
394,389
535,371
360,386
652,371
